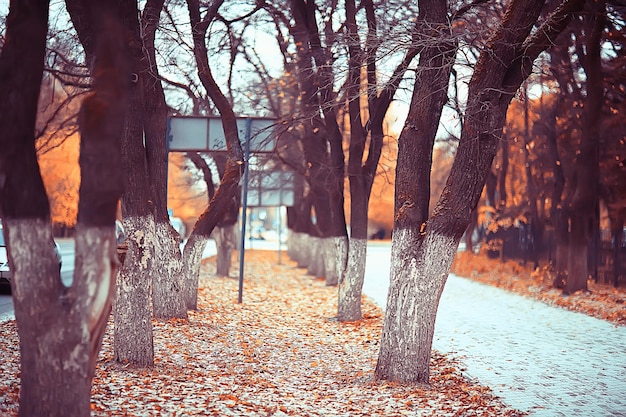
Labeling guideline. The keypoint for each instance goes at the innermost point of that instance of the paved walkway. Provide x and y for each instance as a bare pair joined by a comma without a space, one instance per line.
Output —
541,359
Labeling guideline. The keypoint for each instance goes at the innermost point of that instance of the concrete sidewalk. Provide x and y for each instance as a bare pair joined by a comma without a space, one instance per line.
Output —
537,358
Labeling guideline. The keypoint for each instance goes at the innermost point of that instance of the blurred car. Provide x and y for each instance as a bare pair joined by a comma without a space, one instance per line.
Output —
120,234
179,226
5,271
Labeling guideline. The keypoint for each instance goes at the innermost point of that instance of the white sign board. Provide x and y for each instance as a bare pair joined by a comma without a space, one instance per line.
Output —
206,134
271,189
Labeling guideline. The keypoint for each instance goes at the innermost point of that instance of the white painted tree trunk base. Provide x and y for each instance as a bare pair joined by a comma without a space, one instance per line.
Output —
225,242
336,258
192,258
419,271
316,263
60,327
133,339
167,291
351,286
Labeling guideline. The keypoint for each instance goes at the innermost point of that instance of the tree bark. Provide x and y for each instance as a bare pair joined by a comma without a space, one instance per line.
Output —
167,292
337,259
502,194
351,286
225,233
557,217
316,261
303,229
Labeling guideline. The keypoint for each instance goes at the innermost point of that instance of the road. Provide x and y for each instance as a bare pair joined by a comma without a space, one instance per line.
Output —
538,358
66,247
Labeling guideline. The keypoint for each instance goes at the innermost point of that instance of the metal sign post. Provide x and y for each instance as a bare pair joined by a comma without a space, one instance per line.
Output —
206,134
244,209
280,220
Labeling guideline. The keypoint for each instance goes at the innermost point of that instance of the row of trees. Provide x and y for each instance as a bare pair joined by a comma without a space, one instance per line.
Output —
342,65
565,139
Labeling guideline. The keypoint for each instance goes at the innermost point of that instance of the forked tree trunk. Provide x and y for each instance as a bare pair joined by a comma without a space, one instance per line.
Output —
423,248
416,281
46,327
60,328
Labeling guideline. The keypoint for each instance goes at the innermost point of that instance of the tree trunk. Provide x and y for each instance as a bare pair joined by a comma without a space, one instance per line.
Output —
54,345
335,251
133,326
225,240
557,217
60,336
329,257
585,199
469,232
133,317
405,352
302,228
412,304
561,231
617,234
167,299
229,185
322,143
352,256
502,194
535,234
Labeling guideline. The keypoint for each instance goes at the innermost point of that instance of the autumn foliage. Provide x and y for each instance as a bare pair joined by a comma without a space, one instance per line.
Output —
61,176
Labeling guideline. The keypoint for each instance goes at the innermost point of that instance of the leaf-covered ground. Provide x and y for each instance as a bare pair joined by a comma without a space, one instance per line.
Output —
601,301
278,353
